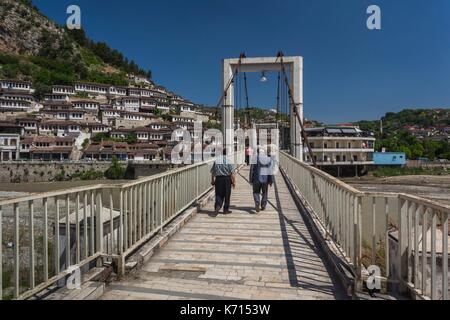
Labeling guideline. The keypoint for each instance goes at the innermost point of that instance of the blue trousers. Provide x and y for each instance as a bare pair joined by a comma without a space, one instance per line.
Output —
261,193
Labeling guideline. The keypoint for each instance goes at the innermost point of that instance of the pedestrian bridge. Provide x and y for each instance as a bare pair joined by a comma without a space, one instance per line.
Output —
243,255
158,238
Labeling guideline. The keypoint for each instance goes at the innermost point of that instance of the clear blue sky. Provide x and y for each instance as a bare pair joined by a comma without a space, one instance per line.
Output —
350,73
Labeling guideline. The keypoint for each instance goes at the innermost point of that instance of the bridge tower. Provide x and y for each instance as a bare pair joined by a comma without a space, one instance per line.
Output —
292,65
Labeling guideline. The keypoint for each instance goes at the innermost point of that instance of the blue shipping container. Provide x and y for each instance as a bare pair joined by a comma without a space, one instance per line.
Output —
389,158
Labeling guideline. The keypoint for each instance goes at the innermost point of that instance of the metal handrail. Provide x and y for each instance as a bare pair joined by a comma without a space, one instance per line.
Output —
396,231
96,221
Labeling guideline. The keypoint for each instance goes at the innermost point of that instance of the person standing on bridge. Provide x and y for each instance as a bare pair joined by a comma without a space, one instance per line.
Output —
223,178
248,154
261,178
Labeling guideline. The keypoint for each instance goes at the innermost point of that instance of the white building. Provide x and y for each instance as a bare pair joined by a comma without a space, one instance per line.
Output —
129,104
15,104
338,147
63,90
30,125
186,108
18,96
92,89
57,97
134,92
87,105
18,85
59,128
149,134
182,119
117,91
10,141
158,125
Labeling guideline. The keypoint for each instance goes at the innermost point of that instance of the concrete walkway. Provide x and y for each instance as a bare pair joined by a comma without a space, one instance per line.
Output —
244,255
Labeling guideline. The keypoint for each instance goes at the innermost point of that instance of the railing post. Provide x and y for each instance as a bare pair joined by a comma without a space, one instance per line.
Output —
1,255
121,224
45,244
161,205
445,255
403,244
357,233
31,253
99,224
16,251
197,183
121,234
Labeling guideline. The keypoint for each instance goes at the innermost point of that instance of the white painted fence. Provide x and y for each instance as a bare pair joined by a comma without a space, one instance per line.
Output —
406,236
43,235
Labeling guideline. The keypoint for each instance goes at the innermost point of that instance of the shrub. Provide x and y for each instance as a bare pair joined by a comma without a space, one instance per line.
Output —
116,171
85,143
89,175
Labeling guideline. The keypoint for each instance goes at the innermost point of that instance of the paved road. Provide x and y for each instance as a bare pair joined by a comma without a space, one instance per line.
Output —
244,255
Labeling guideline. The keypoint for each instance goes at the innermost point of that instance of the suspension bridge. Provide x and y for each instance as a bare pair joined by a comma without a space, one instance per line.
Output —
159,238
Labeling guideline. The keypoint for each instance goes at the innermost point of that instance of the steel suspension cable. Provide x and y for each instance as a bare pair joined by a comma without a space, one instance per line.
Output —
246,90
295,110
230,81
278,99
247,106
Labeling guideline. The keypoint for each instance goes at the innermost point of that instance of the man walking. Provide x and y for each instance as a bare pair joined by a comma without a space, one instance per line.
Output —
223,178
261,178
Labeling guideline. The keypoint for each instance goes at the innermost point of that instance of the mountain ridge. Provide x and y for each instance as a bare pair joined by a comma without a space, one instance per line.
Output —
34,48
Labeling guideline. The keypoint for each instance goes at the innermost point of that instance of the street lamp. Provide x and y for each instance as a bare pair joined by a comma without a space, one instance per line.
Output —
263,77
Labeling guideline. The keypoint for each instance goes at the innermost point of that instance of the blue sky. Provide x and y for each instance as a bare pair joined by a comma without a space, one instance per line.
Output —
351,73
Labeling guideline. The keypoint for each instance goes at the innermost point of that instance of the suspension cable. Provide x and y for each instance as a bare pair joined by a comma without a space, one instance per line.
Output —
237,91
230,81
247,106
278,100
295,110
246,90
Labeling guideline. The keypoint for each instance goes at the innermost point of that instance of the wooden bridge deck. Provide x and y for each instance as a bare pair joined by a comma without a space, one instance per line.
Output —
244,255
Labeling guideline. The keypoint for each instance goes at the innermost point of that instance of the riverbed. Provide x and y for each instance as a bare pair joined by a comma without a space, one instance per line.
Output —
436,188
14,190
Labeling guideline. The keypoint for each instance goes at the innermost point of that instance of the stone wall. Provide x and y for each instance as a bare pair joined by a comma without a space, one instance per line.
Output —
44,171
140,170
23,172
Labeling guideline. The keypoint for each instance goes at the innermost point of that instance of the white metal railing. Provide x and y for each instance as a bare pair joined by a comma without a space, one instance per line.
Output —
43,236
405,236
336,204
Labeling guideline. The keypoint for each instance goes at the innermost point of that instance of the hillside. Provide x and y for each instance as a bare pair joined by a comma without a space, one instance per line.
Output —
423,118
417,132
34,48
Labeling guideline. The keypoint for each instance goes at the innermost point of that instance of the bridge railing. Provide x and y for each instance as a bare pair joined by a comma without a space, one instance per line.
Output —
404,236
336,205
44,237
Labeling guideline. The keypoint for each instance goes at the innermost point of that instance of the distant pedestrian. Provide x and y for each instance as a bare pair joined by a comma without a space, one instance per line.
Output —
248,154
261,177
223,178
